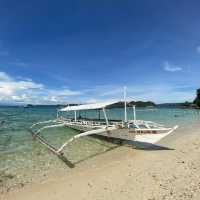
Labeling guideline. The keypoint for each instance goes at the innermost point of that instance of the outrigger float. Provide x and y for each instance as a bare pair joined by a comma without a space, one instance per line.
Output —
134,130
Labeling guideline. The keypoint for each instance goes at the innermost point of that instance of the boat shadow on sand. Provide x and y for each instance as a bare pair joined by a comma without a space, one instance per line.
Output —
148,146
132,144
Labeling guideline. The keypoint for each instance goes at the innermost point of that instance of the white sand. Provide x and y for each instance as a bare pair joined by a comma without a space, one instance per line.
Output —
126,173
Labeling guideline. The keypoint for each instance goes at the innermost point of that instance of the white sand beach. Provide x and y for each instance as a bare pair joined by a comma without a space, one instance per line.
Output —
149,173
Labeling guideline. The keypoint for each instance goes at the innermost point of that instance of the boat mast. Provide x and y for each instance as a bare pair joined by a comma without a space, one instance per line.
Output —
125,111
57,113
75,117
106,118
134,114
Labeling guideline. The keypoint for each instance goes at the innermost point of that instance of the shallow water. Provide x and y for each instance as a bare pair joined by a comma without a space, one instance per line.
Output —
22,160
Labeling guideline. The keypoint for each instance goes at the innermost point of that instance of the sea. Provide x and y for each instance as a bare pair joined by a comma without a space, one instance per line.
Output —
23,160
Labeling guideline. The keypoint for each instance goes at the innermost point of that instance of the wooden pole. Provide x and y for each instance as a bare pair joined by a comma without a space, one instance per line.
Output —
104,112
99,114
134,114
125,111
75,118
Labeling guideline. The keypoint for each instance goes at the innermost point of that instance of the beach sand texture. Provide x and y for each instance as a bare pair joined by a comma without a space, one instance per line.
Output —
148,173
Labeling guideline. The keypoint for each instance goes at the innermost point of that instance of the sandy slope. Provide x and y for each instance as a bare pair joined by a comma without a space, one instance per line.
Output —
125,173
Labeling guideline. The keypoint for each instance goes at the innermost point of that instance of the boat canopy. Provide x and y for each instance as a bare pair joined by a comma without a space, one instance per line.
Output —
88,106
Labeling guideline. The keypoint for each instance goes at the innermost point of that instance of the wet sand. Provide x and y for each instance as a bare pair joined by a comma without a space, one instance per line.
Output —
170,170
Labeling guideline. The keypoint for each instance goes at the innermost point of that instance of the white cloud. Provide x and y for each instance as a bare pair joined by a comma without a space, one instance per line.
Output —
92,100
27,91
9,88
63,92
159,93
4,77
162,93
24,91
171,68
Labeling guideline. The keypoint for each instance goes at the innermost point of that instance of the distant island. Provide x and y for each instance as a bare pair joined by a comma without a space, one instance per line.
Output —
176,105
120,104
49,105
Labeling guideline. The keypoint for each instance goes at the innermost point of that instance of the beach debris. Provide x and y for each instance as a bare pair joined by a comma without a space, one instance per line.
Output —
182,161
89,184
105,188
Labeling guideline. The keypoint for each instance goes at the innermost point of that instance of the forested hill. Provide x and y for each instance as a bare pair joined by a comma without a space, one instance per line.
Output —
120,104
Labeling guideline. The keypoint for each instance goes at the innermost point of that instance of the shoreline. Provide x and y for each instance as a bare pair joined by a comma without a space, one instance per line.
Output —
126,173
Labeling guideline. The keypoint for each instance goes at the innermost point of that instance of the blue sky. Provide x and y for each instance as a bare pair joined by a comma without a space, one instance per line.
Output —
86,51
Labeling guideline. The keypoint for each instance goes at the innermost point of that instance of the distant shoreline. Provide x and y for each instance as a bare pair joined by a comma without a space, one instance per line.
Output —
142,104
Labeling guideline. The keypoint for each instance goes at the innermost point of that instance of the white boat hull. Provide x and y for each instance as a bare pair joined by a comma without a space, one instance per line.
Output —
127,134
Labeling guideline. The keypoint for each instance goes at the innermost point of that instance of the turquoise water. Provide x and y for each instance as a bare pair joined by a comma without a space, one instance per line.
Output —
22,160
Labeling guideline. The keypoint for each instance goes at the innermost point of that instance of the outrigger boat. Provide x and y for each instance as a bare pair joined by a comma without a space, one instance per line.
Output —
134,130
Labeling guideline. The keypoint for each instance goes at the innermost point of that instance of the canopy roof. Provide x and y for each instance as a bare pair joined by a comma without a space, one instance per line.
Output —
88,106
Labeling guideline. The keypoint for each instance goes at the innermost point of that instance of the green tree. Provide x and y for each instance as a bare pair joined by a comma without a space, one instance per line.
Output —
198,93
197,100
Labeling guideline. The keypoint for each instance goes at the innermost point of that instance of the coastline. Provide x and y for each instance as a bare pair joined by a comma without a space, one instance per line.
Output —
127,173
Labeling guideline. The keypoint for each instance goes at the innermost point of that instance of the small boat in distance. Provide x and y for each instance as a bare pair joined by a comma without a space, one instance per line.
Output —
134,130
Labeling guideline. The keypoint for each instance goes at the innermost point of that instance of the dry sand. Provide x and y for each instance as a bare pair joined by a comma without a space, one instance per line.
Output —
125,173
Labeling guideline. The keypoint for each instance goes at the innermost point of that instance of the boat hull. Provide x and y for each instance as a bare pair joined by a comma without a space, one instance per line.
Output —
127,133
